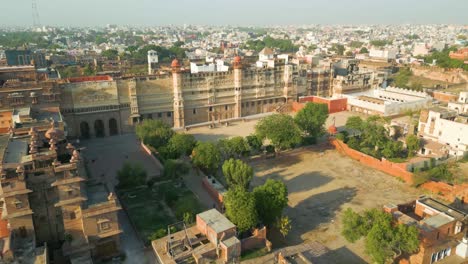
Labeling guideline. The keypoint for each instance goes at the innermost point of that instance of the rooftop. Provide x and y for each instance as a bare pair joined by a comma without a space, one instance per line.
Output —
15,150
436,221
457,214
217,221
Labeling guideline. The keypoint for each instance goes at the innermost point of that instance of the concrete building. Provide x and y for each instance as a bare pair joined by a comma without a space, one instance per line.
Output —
461,105
388,101
383,54
446,127
349,78
153,59
441,230
23,57
216,66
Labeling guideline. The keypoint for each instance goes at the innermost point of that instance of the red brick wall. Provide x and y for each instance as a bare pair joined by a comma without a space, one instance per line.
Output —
334,105
394,169
444,97
257,240
449,192
217,197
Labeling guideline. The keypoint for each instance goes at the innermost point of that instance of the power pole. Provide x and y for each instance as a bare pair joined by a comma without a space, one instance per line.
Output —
35,15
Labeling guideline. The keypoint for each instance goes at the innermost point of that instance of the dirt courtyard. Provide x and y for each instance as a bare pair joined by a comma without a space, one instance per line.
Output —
321,185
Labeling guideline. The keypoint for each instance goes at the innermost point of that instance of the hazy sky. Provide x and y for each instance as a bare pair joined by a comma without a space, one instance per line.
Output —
234,12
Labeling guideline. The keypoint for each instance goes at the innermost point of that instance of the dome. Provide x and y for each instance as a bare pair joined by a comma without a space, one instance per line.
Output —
332,129
54,133
175,63
237,59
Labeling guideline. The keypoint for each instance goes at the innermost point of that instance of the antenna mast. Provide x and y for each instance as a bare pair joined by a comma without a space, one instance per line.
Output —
35,14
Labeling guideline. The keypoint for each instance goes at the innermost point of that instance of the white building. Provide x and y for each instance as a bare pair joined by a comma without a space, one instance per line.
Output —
421,49
266,58
152,59
218,66
385,54
460,106
446,127
388,101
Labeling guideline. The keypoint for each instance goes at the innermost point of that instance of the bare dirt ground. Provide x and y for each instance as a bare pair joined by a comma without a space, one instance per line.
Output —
321,185
245,128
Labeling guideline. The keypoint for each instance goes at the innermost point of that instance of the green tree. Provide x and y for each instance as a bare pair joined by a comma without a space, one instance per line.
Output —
338,48
206,156
349,53
280,129
312,118
363,50
284,225
237,173
412,145
181,144
240,208
155,133
131,175
89,70
402,78
254,142
271,198
383,239
355,122
110,54
174,169
234,147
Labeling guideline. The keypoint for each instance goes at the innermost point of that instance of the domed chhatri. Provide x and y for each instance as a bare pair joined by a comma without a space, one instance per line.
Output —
54,133
175,63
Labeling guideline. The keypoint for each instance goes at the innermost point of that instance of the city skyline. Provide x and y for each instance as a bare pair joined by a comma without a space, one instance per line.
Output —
241,12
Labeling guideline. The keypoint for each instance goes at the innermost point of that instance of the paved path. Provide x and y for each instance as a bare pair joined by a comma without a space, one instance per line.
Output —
105,156
194,182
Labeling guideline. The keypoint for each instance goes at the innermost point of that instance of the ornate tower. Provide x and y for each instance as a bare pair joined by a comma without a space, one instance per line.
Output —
237,63
178,99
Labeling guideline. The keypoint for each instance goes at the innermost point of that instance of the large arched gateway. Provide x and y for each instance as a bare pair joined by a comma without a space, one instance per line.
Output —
113,127
99,129
84,129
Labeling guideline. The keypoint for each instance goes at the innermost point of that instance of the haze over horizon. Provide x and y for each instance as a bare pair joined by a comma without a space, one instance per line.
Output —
240,12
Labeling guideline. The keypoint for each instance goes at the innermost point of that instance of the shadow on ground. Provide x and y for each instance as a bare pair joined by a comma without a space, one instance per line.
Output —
318,209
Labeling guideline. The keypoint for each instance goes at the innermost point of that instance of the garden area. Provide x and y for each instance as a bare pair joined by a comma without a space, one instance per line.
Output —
153,205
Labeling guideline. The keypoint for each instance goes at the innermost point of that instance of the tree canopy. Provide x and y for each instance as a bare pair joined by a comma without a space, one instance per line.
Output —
412,144
240,208
284,45
234,147
311,119
443,59
131,175
271,198
280,129
179,144
237,173
155,133
110,54
206,156
383,238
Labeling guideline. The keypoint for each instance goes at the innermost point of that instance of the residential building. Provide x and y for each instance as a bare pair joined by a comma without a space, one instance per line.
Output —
441,230
447,127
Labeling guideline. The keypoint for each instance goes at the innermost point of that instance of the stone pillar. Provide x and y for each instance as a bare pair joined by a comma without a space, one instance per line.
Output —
237,63
287,78
179,121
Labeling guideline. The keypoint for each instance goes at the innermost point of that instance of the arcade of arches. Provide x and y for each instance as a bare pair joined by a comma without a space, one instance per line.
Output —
99,128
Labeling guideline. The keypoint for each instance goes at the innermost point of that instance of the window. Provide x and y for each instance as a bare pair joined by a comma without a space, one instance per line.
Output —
211,109
105,225
448,231
18,204
159,115
169,114
226,108
437,235
72,215
194,111
70,193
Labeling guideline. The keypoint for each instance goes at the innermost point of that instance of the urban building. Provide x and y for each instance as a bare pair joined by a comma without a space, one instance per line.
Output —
383,54
349,78
153,59
442,231
388,101
22,57
212,239
447,127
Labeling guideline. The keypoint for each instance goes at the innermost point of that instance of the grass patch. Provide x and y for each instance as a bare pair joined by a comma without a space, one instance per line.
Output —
254,253
398,160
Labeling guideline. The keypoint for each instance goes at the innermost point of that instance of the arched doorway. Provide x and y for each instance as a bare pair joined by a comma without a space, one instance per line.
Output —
99,128
84,129
113,129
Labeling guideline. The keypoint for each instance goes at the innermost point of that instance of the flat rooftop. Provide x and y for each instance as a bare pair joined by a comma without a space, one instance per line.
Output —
457,214
15,150
436,221
217,221
96,194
